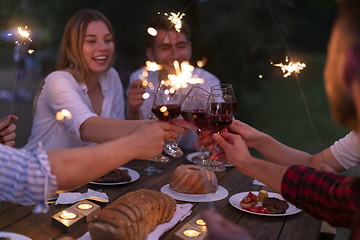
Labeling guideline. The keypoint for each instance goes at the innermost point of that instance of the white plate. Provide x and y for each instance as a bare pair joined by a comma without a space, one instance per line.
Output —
221,193
132,173
14,236
235,201
190,155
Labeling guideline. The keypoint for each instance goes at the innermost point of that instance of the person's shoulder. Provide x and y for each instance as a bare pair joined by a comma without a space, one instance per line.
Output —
59,76
202,73
63,74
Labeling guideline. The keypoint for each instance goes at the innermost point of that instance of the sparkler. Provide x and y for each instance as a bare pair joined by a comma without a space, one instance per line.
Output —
183,76
24,34
175,18
290,68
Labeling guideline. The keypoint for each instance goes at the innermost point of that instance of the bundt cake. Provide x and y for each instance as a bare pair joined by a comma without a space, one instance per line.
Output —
193,179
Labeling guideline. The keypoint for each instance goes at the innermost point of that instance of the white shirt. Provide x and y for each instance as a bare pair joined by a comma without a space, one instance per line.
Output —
62,91
187,140
346,150
25,177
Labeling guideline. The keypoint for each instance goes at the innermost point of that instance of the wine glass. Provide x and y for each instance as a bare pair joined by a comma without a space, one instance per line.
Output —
228,91
166,107
151,169
193,110
219,115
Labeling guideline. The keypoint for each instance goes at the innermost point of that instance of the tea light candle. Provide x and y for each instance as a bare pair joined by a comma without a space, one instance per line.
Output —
191,233
86,208
68,219
200,222
67,215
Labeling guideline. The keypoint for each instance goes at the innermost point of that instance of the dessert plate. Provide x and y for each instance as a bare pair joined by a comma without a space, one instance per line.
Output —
221,193
235,202
13,236
190,155
132,173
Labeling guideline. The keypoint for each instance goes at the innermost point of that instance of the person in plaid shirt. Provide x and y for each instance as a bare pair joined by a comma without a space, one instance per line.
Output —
324,195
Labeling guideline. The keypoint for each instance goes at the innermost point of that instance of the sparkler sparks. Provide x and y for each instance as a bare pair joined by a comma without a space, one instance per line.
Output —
290,68
175,18
24,33
183,76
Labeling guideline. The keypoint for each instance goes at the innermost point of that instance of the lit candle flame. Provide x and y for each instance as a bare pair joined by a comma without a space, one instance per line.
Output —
175,18
290,68
67,215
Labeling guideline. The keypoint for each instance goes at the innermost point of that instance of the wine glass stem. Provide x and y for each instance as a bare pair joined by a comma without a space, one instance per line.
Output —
177,140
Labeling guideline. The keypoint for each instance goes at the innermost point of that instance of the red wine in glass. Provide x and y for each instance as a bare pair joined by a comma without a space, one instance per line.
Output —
196,117
166,112
218,122
223,107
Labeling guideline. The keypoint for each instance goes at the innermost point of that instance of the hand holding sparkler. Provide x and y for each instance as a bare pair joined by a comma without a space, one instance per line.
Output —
135,98
7,135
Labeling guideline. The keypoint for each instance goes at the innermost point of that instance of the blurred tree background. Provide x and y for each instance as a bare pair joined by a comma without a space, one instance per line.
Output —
238,39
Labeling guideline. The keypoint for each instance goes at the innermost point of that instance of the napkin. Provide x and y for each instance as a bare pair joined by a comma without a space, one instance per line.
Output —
182,211
256,182
73,197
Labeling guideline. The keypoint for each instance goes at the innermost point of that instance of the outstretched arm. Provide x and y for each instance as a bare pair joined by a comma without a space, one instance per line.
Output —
144,142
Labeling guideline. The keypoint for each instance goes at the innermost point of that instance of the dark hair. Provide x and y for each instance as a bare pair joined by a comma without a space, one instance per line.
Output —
161,22
349,19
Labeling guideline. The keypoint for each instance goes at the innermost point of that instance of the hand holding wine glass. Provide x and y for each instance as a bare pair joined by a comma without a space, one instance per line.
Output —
219,115
166,107
193,110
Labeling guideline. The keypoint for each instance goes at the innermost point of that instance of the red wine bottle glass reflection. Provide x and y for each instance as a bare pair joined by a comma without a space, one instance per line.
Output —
219,115
228,93
193,110
166,107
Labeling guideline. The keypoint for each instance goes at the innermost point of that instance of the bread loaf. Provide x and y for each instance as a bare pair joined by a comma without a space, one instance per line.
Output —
132,216
193,179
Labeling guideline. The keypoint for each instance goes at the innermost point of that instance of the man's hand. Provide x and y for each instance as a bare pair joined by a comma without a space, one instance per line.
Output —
135,98
219,228
7,129
149,139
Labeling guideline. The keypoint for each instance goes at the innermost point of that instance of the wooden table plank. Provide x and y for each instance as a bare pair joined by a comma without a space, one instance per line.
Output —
19,219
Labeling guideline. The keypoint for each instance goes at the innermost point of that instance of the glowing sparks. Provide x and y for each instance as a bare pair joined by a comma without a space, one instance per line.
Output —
146,95
175,18
152,31
61,115
31,51
24,33
260,76
201,63
183,76
290,68
152,66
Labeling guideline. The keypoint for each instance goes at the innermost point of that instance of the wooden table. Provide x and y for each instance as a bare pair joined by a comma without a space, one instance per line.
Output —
19,219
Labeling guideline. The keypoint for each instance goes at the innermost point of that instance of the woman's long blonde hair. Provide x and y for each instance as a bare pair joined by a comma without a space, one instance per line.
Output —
71,58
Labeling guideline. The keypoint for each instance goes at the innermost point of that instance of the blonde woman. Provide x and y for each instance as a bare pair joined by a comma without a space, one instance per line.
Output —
85,85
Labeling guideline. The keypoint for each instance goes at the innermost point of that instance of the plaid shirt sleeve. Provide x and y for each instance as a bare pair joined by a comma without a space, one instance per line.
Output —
25,177
324,195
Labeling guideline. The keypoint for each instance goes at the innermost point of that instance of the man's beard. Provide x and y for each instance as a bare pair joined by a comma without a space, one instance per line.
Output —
344,111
